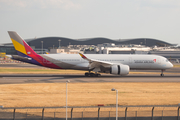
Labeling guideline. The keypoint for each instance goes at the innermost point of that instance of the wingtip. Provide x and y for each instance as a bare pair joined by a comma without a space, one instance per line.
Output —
82,56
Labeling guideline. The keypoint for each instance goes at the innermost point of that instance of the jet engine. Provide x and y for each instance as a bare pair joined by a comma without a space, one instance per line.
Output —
119,69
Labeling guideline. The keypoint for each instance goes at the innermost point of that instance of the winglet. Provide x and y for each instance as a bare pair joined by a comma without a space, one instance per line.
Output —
83,56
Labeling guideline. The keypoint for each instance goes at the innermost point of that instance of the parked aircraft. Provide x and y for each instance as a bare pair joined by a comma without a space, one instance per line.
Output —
118,64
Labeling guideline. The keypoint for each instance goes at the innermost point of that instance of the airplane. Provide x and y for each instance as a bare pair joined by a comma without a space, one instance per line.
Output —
117,64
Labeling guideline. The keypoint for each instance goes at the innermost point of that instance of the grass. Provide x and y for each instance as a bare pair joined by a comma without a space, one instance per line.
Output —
176,65
88,94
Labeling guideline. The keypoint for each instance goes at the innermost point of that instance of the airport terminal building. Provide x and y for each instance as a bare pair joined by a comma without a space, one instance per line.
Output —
48,43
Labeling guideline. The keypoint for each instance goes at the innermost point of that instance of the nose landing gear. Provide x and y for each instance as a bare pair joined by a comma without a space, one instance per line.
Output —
162,75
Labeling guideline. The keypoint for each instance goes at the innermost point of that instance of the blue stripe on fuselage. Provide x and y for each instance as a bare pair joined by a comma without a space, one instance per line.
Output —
32,61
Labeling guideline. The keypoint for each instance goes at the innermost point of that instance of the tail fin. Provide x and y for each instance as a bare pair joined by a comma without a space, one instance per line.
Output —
22,48
27,54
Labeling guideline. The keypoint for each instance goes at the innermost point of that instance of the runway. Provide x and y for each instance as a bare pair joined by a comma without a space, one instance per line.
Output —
53,78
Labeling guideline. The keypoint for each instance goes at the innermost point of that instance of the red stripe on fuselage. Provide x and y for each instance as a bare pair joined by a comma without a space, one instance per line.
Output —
30,52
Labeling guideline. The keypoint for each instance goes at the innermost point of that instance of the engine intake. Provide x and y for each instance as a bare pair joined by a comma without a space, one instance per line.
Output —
119,69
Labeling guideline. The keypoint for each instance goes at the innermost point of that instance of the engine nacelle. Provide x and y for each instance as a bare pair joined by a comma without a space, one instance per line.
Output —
119,69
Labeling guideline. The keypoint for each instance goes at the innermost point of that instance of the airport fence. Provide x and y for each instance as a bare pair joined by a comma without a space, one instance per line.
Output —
59,113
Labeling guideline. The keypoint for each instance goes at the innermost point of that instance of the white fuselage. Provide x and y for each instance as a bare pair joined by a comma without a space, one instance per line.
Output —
74,61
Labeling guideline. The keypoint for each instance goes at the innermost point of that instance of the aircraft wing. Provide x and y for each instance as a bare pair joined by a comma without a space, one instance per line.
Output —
103,66
96,65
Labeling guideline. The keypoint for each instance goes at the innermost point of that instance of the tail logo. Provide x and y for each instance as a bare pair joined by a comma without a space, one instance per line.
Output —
84,57
19,47
28,52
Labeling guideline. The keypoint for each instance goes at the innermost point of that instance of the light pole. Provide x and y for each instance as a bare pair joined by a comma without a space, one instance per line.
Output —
42,47
59,42
113,89
66,97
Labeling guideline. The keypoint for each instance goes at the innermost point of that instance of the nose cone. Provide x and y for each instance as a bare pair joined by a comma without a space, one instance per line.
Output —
170,65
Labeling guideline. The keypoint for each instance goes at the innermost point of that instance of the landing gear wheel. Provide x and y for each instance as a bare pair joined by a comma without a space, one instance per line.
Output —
162,75
97,75
92,74
87,74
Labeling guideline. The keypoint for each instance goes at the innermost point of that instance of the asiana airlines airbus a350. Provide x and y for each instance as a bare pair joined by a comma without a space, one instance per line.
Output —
118,64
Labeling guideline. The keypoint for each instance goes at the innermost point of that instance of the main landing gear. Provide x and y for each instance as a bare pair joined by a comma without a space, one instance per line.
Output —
162,75
90,74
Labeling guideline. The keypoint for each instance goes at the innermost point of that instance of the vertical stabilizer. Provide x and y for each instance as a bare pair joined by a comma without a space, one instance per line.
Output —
27,54
22,48
18,43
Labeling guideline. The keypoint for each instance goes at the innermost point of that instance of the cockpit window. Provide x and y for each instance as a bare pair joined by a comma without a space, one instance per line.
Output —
167,60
